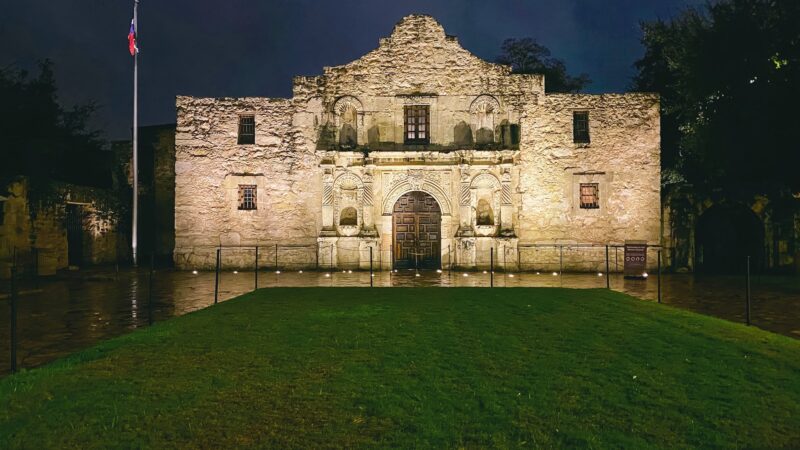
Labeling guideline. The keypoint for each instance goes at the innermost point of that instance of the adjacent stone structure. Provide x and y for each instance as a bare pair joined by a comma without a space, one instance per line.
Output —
71,231
423,153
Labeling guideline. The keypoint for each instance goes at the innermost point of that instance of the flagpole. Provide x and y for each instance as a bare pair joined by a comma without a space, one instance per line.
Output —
134,233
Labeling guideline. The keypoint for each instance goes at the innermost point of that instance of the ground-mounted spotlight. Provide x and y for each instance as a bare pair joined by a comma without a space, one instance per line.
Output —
299,271
645,275
438,270
278,272
327,275
599,274
416,275
484,272
235,271
194,272
466,274
555,274
537,273
344,271
372,274
349,271
511,275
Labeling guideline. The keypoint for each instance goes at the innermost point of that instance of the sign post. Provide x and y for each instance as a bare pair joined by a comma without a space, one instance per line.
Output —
635,259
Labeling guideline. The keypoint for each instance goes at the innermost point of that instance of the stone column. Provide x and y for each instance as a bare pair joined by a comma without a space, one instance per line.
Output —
386,239
464,202
506,206
368,213
328,228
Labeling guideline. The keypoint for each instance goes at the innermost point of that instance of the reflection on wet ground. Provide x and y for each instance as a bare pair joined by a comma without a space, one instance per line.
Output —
59,316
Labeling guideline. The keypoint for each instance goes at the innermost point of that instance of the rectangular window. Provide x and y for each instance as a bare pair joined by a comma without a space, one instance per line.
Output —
580,127
247,196
417,123
247,129
589,196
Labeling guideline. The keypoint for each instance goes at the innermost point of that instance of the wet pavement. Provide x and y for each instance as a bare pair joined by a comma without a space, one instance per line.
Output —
75,310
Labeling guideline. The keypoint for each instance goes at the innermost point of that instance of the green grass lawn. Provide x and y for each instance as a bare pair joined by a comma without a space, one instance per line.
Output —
418,367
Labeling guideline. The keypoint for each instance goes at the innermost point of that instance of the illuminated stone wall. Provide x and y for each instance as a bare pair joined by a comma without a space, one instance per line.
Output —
40,239
623,157
210,165
499,148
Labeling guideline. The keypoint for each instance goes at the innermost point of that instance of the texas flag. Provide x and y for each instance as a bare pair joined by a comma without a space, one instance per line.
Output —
132,40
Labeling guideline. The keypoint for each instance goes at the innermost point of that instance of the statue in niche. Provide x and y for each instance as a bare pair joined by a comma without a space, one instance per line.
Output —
348,133
485,216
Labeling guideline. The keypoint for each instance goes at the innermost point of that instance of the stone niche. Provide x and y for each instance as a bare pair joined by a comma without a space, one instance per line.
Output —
348,227
348,117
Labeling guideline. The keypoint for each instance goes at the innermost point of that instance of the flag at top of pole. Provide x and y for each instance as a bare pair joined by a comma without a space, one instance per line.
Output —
132,39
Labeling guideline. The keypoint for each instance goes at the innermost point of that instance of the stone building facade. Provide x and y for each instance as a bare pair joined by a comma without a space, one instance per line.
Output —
73,231
423,154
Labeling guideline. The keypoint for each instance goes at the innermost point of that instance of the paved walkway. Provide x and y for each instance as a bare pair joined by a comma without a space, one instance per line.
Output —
77,310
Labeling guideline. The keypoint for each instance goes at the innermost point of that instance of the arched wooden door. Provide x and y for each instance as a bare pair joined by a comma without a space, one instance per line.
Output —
417,225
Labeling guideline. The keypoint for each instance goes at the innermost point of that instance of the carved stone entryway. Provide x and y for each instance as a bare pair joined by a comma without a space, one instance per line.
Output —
416,227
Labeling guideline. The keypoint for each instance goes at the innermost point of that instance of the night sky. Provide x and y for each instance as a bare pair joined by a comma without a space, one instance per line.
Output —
253,48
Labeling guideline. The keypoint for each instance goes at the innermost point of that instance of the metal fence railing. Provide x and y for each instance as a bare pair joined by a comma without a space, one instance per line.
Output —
242,269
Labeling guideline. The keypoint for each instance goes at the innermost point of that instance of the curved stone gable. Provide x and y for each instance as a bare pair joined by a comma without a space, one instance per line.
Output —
418,57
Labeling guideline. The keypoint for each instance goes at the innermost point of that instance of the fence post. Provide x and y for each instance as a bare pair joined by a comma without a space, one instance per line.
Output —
256,271
276,257
13,301
659,276
491,267
36,268
449,261
747,313
216,278
561,265
150,290
608,275
370,266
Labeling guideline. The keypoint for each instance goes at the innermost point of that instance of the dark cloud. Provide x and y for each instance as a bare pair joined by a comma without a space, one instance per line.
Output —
240,48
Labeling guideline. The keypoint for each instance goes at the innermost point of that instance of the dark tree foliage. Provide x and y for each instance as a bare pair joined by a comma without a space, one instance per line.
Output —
41,140
729,79
528,56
